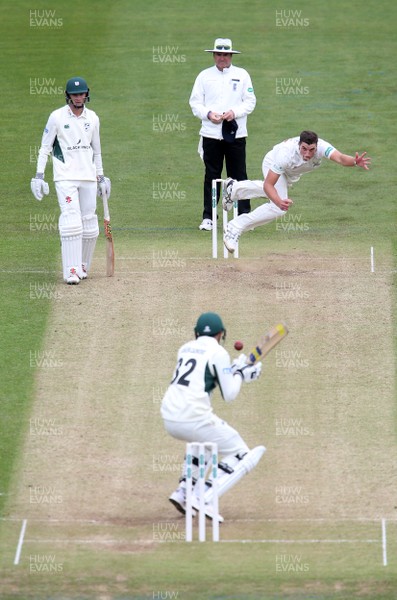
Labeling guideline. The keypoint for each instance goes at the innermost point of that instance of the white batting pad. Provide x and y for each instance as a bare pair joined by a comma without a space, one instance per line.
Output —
90,236
71,232
244,466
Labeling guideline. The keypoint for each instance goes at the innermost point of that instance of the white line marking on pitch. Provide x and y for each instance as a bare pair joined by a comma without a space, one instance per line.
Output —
384,546
20,542
301,541
372,260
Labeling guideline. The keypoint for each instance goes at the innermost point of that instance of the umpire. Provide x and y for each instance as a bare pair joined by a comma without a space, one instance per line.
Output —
222,97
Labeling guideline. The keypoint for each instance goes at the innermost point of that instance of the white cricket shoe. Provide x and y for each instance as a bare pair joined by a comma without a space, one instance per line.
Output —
72,278
178,499
227,186
206,225
230,238
84,273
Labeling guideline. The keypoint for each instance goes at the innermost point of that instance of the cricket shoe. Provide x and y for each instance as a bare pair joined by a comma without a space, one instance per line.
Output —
178,499
208,509
230,238
83,271
72,278
206,225
227,186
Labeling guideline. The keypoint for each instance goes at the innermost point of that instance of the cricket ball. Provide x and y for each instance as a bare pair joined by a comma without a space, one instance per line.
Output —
238,346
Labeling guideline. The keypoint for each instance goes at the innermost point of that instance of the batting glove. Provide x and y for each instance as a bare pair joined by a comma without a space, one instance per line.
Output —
39,187
102,180
239,363
250,372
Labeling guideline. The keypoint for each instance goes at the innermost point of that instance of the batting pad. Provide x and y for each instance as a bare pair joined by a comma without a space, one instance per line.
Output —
71,232
90,235
244,466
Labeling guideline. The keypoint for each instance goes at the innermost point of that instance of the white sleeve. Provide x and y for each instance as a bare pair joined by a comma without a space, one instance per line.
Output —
96,146
47,142
197,99
279,160
324,148
229,384
248,99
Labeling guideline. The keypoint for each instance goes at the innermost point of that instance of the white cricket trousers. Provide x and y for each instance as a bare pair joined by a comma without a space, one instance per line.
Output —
212,429
265,213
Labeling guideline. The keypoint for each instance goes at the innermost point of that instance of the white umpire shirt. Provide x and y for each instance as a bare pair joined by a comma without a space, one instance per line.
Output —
285,159
74,143
220,91
202,364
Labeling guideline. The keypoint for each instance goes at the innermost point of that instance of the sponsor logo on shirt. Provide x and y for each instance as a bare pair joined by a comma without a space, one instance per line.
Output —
78,147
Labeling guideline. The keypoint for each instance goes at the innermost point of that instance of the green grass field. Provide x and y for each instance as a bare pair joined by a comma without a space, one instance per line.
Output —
84,459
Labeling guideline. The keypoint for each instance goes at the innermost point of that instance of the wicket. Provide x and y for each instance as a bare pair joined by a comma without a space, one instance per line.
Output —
212,468
224,221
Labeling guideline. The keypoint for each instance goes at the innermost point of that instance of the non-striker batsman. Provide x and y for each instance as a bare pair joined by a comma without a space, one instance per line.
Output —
71,135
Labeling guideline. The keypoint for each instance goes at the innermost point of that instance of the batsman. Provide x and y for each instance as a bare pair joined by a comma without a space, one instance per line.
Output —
203,364
71,135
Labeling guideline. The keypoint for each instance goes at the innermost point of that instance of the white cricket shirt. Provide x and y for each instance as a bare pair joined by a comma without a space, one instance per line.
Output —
202,365
220,91
285,158
74,143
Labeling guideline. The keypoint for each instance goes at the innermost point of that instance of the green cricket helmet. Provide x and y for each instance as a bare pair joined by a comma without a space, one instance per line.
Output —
77,85
209,324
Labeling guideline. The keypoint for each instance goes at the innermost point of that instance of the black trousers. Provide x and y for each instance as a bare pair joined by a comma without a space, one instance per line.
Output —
233,154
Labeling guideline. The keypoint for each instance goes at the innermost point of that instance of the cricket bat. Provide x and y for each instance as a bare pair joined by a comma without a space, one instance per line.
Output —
108,234
267,343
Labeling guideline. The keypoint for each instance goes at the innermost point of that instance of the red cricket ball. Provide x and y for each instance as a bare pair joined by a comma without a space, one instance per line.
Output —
238,346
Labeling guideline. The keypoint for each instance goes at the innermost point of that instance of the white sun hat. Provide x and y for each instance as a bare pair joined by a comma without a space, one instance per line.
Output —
223,45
